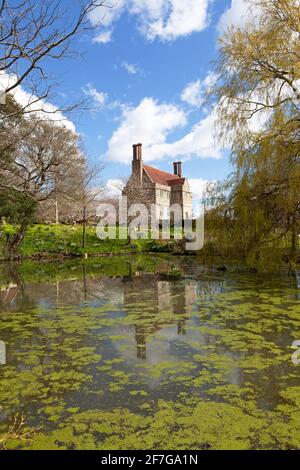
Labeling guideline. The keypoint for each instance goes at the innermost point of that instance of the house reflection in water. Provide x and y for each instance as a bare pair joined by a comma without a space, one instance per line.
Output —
162,304
8,294
2,353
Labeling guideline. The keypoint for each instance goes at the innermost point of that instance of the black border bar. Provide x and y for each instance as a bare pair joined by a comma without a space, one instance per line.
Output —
137,459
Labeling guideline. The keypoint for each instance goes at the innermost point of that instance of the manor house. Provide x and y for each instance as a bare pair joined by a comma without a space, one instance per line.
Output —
148,185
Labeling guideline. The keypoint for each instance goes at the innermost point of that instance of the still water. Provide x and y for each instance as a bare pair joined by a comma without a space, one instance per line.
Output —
147,353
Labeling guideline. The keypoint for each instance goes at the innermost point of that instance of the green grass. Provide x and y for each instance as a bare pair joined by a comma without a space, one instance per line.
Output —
66,240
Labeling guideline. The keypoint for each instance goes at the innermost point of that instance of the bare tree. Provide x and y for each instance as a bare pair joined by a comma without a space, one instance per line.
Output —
35,165
119,184
38,158
87,191
33,32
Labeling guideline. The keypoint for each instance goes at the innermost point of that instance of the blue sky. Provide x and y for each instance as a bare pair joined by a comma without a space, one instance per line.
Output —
146,70
163,69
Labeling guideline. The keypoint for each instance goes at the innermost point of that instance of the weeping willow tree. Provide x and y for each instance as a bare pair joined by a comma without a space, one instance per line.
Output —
257,97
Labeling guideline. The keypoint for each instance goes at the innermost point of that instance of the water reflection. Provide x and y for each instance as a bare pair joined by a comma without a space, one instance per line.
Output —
153,306
174,298
8,294
146,325
2,353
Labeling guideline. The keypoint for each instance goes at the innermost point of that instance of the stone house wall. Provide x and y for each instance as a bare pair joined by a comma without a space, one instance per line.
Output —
141,189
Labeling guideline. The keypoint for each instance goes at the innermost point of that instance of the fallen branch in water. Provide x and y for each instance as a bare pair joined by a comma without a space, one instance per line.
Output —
17,431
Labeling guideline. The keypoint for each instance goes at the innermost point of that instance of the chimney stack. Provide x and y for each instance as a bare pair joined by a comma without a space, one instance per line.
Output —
134,152
137,162
137,152
178,169
140,151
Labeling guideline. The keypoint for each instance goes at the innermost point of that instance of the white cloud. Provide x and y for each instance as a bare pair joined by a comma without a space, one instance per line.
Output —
132,69
151,123
114,187
111,189
105,16
199,142
237,15
103,37
98,97
194,92
163,19
31,103
170,19
197,186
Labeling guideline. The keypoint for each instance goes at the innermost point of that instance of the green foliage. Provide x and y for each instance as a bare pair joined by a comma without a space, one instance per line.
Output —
257,211
228,382
16,207
51,240
17,211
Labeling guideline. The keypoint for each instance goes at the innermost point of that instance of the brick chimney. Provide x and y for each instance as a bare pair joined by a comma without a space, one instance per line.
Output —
137,162
178,168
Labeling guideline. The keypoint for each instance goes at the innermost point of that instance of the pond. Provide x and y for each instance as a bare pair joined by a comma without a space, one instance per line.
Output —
147,353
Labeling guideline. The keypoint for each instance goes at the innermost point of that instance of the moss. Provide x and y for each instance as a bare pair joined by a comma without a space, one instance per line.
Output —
225,380
194,424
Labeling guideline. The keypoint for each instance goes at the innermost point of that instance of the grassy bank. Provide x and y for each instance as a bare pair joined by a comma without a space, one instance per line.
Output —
66,240
53,241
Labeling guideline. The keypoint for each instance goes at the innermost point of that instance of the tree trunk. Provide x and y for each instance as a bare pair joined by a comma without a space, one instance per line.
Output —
84,228
84,281
17,239
56,212
294,238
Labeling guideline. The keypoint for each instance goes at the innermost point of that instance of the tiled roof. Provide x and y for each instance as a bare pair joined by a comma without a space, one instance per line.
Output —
162,177
174,182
